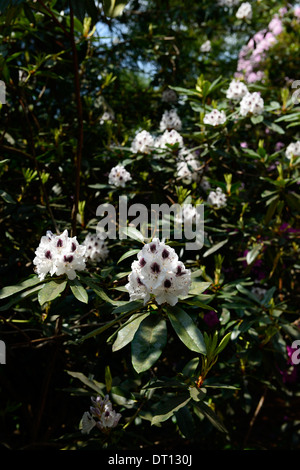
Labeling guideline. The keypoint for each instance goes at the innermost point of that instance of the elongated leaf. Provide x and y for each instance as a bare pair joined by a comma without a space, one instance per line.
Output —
127,332
128,254
11,290
133,233
7,198
79,291
51,291
186,330
92,284
166,408
148,342
113,8
211,415
223,343
91,383
215,248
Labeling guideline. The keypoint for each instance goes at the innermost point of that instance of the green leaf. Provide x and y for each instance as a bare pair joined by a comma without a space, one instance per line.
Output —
51,291
11,290
91,383
211,415
6,197
223,343
79,291
127,331
252,254
113,8
185,422
148,342
93,284
128,254
186,330
257,119
215,248
168,406
133,233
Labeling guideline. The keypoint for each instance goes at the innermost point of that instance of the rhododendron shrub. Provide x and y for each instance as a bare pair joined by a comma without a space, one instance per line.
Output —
128,324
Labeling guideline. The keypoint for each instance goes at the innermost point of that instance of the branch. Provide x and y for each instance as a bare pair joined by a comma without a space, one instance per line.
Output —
78,157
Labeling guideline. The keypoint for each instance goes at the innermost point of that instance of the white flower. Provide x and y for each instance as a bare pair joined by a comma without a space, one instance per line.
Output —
96,248
88,423
169,96
188,166
189,215
237,90
293,149
59,254
214,118
206,46
244,12
118,176
158,272
251,103
259,292
228,3
107,116
217,198
142,143
170,120
106,417
169,138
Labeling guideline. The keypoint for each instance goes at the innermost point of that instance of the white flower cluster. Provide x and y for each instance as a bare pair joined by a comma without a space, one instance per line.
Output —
259,292
119,176
189,215
106,417
188,166
170,120
158,272
214,118
237,90
107,116
251,103
228,3
96,248
217,198
293,149
59,254
244,12
169,138
142,143
169,96
206,46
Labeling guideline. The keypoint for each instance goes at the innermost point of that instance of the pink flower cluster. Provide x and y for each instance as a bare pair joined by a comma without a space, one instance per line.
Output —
253,53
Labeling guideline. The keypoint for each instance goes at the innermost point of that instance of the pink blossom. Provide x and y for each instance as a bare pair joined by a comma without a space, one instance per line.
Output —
275,26
297,12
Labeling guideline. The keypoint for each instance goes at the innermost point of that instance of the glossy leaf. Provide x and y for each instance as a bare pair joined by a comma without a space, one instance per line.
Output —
148,342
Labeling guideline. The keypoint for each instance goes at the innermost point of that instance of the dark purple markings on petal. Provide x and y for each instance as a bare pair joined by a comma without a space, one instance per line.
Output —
48,254
165,253
179,271
155,268
153,247
59,242
167,283
73,247
139,281
68,259
142,262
